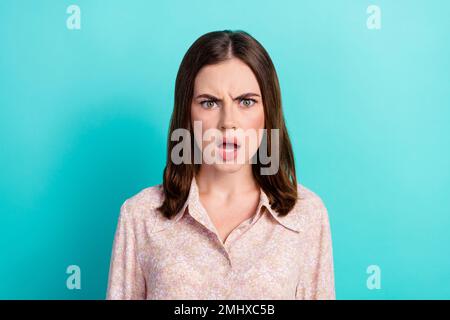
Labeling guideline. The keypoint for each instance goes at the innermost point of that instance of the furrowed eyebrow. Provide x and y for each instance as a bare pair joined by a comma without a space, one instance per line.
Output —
242,96
207,96
246,95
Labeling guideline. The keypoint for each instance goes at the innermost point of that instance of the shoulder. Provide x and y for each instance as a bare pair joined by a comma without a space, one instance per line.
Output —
310,207
142,206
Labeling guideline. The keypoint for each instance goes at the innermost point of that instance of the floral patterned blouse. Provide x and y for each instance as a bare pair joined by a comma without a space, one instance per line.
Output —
266,257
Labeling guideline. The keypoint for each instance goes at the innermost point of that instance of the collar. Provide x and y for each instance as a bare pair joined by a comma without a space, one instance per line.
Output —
198,212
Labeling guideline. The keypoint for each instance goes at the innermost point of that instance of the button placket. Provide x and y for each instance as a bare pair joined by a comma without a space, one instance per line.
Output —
235,234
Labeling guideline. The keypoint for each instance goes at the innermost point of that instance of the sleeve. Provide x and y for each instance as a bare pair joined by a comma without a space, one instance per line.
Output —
320,282
126,280
323,280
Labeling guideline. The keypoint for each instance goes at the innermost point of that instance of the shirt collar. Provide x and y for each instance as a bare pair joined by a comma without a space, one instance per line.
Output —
198,212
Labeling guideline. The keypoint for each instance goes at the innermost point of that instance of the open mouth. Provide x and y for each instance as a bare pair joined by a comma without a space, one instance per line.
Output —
229,148
229,144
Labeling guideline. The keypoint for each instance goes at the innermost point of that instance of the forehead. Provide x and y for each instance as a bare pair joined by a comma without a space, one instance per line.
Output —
231,75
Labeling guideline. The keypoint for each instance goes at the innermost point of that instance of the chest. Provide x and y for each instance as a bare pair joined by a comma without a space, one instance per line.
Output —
226,217
184,262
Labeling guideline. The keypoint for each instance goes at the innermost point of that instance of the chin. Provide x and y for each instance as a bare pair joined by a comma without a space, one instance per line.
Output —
228,167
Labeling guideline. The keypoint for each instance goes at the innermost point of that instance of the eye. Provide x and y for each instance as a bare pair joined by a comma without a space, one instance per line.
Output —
248,102
208,104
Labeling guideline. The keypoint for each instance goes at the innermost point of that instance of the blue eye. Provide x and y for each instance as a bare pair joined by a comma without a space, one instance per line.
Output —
248,102
208,104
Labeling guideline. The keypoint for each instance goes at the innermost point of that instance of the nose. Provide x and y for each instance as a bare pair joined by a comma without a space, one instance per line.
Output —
227,117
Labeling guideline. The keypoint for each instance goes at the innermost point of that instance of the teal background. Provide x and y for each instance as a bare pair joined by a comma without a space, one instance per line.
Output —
84,116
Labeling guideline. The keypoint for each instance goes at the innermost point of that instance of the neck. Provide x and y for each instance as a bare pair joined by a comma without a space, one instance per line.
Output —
225,184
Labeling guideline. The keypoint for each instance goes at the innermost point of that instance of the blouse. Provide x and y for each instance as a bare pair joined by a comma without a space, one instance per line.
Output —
267,256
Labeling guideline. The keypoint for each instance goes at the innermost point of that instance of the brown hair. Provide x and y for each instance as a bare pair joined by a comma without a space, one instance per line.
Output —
212,48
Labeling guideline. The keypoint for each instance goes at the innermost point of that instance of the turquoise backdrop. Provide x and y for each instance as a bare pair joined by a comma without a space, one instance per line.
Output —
84,116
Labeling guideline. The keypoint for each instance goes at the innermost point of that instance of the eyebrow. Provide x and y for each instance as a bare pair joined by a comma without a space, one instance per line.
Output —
242,96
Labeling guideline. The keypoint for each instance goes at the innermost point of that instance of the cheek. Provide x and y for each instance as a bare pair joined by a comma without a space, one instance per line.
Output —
254,122
254,119
205,120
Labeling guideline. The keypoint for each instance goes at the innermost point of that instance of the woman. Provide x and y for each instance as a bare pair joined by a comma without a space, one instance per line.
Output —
230,220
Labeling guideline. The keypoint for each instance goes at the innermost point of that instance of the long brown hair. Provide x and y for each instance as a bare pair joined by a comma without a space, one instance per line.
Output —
212,48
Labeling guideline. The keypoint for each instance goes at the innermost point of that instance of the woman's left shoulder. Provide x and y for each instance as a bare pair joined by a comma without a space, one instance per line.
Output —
310,205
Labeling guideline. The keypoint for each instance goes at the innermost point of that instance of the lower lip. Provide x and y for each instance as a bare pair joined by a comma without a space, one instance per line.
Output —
227,153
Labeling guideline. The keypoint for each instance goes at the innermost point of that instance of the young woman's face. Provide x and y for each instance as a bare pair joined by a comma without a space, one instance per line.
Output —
227,98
